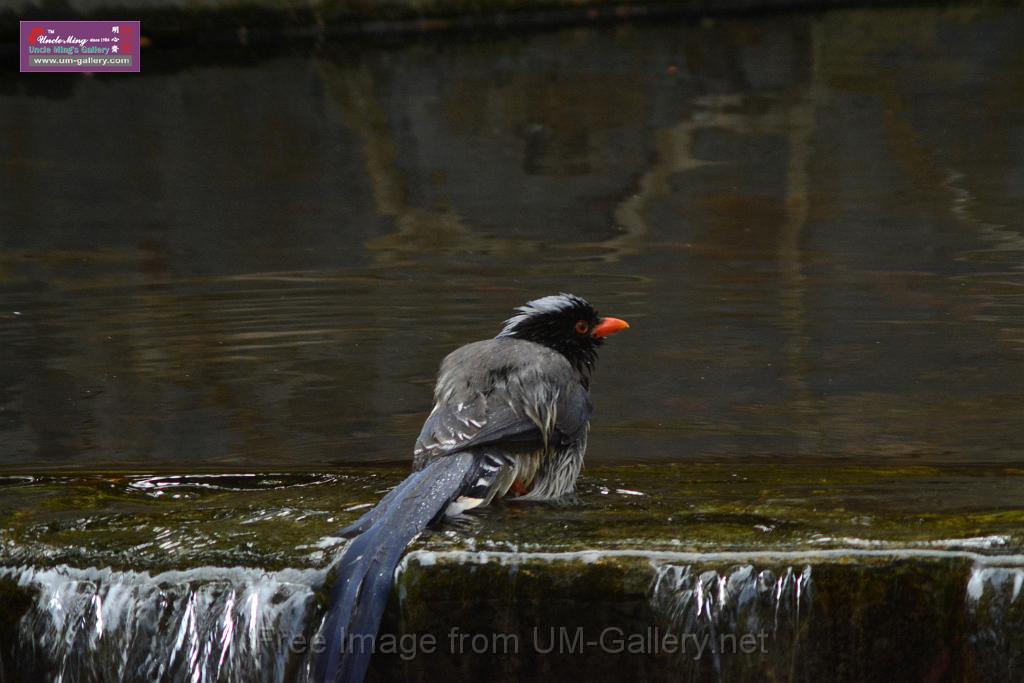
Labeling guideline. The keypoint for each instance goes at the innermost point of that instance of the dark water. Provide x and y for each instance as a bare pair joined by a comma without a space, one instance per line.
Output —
813,224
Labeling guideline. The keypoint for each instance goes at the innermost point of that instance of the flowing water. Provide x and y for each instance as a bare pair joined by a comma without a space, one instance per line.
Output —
226,284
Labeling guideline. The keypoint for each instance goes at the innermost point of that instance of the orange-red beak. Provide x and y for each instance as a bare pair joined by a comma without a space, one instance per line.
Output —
608,327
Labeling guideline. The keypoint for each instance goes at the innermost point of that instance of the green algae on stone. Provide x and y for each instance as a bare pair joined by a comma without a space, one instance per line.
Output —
278,520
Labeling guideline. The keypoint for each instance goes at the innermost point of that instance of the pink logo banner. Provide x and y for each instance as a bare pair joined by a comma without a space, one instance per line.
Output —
80,46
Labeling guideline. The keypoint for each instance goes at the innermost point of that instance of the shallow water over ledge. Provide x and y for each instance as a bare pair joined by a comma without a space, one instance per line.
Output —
281,520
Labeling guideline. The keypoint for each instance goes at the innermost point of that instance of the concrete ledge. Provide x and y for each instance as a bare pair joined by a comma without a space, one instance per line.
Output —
763,572
841,615
847,615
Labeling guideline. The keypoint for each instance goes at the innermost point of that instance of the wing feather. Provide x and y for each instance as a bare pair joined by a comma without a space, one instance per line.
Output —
503,390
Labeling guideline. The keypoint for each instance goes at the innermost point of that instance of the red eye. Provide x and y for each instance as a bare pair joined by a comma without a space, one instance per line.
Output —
582,326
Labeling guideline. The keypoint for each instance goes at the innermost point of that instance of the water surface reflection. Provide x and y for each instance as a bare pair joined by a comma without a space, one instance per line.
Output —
813,223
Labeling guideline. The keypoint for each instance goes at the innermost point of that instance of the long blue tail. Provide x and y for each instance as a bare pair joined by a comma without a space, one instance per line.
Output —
365,570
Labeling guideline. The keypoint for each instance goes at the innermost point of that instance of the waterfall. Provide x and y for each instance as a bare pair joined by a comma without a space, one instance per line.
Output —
739,611
738,619
196,626
995,616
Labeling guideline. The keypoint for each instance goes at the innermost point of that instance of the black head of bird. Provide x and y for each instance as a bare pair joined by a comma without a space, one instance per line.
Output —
565,323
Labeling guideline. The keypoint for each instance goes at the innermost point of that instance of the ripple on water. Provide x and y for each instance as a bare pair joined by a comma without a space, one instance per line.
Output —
156,485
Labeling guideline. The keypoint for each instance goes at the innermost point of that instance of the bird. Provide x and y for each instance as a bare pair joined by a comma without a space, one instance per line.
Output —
511,418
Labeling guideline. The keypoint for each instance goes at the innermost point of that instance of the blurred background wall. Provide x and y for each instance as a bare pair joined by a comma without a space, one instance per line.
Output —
248,20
